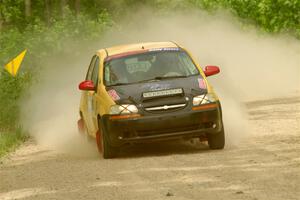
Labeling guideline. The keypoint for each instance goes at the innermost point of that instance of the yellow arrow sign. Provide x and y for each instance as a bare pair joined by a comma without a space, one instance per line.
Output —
13,66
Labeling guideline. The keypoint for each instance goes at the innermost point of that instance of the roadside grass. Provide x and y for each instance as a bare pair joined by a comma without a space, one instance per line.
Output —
10,140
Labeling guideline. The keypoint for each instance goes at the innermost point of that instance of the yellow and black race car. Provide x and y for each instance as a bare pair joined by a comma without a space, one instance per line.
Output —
147,92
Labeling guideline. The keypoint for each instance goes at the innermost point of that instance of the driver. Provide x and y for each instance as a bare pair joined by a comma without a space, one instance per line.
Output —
164,64
119,73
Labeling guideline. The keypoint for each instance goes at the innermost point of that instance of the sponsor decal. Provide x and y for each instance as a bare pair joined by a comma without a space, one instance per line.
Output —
165,49
156,86
162,93
202,84
113,94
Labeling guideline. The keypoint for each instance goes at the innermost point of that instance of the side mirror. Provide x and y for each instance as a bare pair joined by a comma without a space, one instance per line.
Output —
87,86
211,70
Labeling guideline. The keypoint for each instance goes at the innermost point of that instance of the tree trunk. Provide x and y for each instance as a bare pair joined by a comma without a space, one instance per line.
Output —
47,11
77,7
63,4
1,18
27,8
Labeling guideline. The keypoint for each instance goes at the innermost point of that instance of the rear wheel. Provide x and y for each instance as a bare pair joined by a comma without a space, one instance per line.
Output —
216,140
104,147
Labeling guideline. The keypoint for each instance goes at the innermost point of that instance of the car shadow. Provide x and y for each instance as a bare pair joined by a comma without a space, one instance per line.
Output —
162,148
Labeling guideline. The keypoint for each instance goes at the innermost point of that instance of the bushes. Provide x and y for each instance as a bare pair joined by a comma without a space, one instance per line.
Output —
10,140
42,42
10,92
274,16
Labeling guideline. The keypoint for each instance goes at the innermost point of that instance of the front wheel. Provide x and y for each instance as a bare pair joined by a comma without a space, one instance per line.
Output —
216,140
104,147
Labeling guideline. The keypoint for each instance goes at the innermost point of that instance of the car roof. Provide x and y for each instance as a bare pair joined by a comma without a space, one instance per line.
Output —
138,46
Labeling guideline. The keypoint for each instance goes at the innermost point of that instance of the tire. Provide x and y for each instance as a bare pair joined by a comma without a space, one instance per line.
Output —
216,140
104,147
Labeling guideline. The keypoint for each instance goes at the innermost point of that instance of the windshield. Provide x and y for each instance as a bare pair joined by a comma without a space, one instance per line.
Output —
148,66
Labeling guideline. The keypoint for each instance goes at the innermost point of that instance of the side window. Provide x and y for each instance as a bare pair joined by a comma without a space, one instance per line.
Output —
95,71
107,73
91,67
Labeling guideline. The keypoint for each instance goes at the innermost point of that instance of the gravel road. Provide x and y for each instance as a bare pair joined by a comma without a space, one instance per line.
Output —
264,166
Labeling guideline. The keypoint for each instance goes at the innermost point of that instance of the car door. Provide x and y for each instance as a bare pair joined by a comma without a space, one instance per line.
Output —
93,98
88,98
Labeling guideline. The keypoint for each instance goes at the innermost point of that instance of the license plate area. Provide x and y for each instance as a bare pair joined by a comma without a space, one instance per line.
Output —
162,93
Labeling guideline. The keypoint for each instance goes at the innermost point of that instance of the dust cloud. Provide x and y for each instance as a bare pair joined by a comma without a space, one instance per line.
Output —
51,110
253,66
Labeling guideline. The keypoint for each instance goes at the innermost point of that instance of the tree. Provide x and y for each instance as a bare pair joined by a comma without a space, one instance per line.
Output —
63,4
47,11
77,7
27,8
1,16
1,20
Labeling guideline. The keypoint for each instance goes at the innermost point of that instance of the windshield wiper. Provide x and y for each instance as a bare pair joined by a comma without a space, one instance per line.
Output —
158,78
169,77
117,84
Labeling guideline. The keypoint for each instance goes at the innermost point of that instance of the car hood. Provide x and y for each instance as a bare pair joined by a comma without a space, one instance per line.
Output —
133,93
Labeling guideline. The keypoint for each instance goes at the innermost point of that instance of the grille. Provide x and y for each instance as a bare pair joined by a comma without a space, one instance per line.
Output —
165,108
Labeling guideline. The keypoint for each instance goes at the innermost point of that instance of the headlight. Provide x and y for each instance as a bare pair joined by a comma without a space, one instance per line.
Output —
123,109
203,99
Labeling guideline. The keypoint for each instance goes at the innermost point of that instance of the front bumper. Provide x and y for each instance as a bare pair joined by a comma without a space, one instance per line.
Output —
176,125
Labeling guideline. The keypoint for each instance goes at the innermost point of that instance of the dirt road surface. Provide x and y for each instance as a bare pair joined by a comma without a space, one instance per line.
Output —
265,166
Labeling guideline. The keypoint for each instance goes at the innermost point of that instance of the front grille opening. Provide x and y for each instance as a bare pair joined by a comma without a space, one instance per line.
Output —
164,101
163,98
166,130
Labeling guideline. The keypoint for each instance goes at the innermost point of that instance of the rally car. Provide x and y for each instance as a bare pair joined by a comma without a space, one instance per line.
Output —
147,92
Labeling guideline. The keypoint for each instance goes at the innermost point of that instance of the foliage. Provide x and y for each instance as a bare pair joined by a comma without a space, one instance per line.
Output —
274,16
10,92
10,140
42,41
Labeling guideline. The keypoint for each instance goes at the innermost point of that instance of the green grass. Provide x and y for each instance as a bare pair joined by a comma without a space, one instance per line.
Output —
9,141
